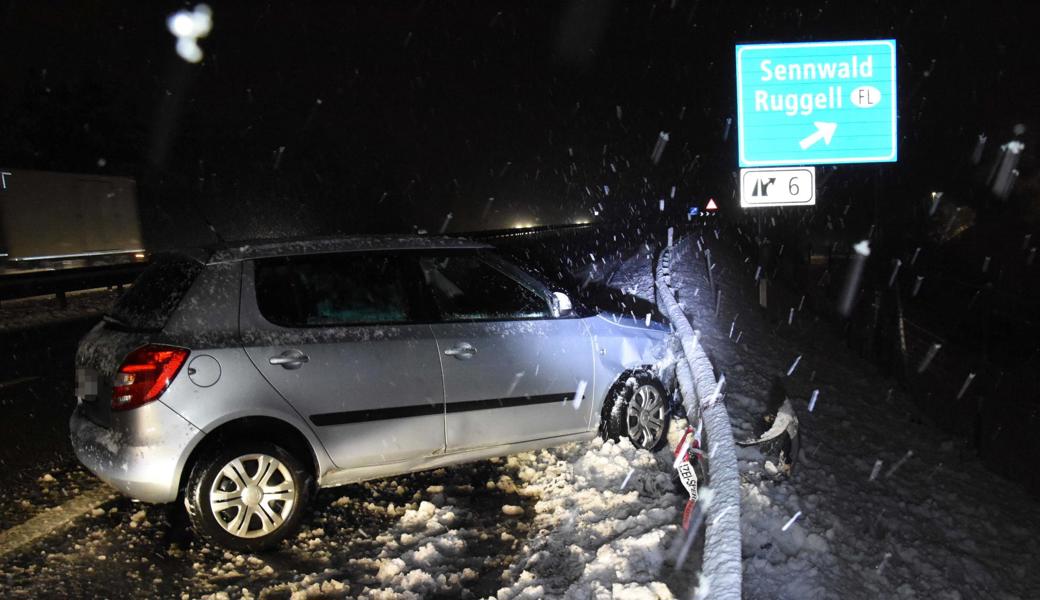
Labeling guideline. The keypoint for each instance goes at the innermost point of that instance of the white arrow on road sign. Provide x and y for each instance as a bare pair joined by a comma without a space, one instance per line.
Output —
824,131
778,186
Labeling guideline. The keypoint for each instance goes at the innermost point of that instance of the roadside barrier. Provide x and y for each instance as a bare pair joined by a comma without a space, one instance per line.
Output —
721,574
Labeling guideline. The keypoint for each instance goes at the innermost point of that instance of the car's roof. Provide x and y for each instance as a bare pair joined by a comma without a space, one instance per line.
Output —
252,249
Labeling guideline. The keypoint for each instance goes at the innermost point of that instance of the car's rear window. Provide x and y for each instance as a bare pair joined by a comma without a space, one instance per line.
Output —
156,293
333,289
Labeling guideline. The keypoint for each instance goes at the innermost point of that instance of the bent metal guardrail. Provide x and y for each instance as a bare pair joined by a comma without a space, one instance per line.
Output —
720,576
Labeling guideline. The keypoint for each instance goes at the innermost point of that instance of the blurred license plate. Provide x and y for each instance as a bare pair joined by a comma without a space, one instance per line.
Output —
86,385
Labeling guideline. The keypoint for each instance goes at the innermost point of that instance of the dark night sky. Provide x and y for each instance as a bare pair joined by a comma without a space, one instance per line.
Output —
393,114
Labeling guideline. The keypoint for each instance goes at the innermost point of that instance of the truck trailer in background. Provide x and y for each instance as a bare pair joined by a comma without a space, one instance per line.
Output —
67,220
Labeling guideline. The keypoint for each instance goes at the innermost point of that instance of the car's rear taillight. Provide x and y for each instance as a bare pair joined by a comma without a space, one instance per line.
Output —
145,374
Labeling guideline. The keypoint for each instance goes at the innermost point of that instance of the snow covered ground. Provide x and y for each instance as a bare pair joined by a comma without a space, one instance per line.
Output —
607,523
883,506
594,519
580,521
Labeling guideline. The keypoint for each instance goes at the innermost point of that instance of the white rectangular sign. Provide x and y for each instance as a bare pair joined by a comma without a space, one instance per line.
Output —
778,186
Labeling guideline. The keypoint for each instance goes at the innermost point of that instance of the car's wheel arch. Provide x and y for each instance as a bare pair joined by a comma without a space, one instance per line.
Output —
259,427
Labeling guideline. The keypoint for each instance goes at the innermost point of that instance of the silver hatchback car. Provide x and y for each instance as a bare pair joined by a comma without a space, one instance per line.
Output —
242,379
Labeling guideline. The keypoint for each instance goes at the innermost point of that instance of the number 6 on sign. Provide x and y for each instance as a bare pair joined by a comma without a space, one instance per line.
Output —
778,186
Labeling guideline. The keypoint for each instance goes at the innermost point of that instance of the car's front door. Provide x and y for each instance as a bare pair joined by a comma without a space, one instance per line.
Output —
512,372
339,336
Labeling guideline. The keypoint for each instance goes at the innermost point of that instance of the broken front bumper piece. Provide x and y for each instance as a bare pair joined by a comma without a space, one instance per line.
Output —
781,438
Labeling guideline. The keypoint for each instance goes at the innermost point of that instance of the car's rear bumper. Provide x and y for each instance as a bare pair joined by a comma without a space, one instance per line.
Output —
142,455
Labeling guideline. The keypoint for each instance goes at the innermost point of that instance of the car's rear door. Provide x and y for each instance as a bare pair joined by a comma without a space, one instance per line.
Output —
341,338
512,372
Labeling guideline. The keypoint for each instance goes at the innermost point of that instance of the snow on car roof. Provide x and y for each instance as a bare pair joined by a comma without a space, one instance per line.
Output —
268,248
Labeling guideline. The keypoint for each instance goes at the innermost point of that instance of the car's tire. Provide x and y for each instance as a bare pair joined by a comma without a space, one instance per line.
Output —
247,496
640,412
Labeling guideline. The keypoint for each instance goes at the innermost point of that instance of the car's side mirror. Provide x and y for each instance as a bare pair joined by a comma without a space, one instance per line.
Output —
561,305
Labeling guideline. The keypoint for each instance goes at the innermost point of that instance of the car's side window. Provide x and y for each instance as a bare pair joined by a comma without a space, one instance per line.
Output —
466,288
333,289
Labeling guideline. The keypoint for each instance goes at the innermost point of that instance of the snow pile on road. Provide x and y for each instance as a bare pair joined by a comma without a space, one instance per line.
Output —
605,520
425,554
593,518
432,546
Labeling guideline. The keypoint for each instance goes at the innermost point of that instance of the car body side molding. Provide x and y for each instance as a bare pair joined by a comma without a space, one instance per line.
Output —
418,410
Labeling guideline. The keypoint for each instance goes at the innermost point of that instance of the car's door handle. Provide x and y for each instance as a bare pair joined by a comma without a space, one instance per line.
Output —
290,359
461,351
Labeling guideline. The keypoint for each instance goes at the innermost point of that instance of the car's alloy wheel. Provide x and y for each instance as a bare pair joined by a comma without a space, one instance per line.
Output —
639,411
252,495
247,497
646,416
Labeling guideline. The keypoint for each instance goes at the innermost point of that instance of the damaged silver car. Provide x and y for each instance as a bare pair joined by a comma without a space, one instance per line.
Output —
240,380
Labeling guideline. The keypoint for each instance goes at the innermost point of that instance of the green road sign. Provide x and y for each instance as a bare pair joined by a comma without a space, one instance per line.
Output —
816,103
